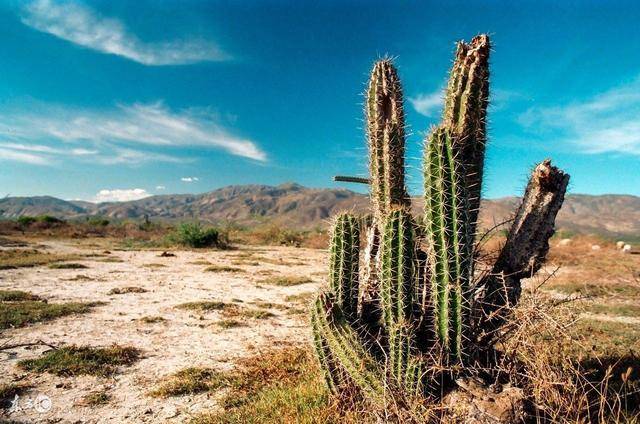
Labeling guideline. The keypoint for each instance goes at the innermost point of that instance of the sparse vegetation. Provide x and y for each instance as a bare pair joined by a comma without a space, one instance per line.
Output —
17,296
129,289
230,323
278,386
285,281
20,313
154,265
18,258
82,360
194,235
152,319
67,265
190,381
222,268
229,310
96,398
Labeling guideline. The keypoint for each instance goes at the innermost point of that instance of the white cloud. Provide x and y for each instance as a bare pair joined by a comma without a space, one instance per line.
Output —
109,134
606,123
18,156
189,179
160,187
77,23
428,104
120,195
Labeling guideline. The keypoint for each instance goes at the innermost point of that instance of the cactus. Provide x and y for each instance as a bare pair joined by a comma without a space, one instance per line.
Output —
414,316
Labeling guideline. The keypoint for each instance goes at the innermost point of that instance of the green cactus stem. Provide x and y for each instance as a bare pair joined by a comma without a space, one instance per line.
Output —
465,114
343,262
447,233
385,131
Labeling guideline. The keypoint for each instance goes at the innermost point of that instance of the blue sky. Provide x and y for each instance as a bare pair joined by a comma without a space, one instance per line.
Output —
104,100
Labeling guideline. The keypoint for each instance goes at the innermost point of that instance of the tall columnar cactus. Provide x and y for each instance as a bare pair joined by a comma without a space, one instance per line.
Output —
385,131
424,315
386,139
448,237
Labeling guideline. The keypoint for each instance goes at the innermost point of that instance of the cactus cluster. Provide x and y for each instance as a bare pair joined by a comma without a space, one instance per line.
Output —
408,303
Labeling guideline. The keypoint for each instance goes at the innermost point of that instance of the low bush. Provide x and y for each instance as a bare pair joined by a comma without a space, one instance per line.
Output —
196,236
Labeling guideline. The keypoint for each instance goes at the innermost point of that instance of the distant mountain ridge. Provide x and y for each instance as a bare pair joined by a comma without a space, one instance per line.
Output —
296,206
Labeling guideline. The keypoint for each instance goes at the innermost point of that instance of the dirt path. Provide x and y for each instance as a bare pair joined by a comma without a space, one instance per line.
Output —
185,338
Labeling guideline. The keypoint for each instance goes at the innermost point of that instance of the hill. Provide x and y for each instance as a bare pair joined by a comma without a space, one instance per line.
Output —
296,206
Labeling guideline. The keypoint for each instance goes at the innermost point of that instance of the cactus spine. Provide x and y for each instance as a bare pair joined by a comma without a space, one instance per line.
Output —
446,217
408,317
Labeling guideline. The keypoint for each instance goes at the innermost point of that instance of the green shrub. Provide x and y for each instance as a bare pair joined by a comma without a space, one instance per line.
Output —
196,236
97,221
26,220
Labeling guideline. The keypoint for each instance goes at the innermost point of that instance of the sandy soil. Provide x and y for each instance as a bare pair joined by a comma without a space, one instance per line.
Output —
185,339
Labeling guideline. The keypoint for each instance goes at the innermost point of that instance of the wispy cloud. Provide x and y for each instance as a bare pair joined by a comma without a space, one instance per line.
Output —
606,123
75,22
189,179
109,136
21,156
428,104
120,195
160,187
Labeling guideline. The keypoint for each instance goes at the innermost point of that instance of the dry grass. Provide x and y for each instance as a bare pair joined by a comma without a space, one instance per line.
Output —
96,398
23,258
124,290
285,281
154,265
16,314
67,265
228,310
83,360
278,386
190,381
17,296
230,323
152,319
222,268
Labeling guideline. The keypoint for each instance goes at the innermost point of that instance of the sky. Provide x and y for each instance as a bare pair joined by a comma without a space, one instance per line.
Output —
118,100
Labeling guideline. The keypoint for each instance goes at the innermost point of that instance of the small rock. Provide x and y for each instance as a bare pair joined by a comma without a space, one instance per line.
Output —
626,248
564,242
595,247
620,244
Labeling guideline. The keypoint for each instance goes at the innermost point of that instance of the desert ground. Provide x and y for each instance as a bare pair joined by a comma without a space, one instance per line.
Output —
208,308
271,314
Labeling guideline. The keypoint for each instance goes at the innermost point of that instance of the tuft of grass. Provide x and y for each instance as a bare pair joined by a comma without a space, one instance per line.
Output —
96,398
205,305
152,319
80,277
24,258
625,310
200,262
300,298
278,386
285,281
230,323
130,289
219,268
22,313
114,260
17,296
154,265
190,381
67,265
229,310
71,361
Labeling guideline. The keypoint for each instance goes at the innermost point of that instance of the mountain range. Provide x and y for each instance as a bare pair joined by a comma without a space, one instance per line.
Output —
295,206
